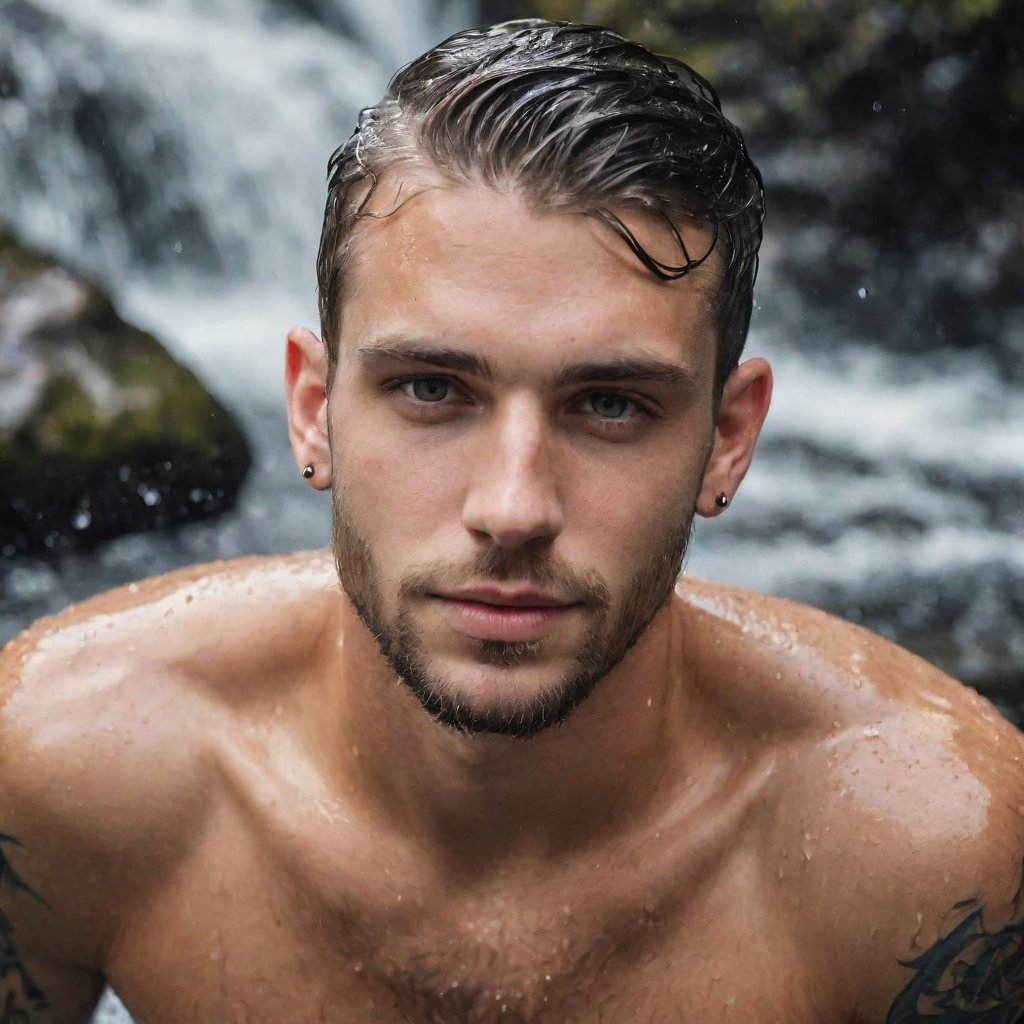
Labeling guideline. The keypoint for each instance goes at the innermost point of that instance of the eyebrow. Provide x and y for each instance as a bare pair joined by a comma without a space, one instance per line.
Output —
641,369
414,352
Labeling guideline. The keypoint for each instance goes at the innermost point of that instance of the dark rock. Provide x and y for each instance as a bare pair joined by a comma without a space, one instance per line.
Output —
101,431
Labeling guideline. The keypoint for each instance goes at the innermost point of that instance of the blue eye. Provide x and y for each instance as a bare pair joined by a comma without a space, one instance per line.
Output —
609,405
429,389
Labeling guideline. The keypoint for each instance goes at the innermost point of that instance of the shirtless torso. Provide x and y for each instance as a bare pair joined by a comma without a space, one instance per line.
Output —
177,820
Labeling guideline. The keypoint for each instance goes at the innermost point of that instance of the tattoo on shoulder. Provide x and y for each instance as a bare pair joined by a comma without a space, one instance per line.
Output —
21,999
972,975
9,878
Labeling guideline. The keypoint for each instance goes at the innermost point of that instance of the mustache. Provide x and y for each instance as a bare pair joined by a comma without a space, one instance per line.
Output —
504,565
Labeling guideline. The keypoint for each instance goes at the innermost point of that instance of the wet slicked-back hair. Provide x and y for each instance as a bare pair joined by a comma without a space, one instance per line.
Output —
570,117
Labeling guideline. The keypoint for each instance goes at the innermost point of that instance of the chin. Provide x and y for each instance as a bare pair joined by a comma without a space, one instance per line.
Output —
503,696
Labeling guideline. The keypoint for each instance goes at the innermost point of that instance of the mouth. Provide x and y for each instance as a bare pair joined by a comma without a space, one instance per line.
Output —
513,616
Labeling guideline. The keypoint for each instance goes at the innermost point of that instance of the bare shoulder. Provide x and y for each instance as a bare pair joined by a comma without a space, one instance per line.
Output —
897,839
107,715
810,674
919,852
198,630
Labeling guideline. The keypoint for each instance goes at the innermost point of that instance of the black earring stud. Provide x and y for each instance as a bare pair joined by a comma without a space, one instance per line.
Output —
308,470
722,501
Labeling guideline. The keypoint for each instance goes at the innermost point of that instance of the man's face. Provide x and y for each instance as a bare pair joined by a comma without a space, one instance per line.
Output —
520,420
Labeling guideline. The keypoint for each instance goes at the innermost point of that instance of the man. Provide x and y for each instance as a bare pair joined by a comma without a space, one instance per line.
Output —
508,771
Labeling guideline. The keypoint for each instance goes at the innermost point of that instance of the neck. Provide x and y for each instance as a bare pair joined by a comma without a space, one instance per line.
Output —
484,798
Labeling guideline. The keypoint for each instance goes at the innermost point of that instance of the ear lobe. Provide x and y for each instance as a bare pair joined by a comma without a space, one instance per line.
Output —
741,413
305,381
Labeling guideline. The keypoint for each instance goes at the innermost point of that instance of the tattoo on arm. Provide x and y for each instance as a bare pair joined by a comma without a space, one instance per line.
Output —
21,996
972,975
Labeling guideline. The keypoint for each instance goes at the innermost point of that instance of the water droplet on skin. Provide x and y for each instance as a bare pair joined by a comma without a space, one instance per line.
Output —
916,939
133,588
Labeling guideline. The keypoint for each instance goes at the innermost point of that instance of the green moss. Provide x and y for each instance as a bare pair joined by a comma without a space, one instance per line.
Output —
17,261
156,449
67,421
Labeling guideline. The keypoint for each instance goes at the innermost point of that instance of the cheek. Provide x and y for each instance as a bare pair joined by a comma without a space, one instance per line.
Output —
636,505
397,490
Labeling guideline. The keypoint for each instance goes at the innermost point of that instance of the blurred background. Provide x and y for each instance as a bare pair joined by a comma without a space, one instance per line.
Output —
162,172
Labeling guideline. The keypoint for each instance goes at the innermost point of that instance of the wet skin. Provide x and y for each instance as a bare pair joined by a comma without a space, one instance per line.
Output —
217,794
197,818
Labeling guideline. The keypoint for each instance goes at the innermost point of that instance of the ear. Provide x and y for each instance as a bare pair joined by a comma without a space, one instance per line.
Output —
305,381
741,412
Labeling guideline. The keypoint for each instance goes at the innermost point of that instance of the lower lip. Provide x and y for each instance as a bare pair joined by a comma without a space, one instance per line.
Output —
503,622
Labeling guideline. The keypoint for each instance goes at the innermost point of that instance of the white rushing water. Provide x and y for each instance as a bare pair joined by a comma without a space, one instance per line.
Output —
176,150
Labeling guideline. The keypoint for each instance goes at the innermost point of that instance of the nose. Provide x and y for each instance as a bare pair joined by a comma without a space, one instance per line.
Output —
513,495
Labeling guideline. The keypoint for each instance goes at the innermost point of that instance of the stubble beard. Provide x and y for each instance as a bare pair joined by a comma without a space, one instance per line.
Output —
604,645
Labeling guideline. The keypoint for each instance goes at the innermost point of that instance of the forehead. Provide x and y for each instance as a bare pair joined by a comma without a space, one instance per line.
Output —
472,265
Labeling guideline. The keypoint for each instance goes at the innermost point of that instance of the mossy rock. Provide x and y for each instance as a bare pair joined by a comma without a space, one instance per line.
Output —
102,432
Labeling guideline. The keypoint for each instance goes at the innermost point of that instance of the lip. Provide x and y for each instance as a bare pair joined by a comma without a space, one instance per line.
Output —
513,616
515,598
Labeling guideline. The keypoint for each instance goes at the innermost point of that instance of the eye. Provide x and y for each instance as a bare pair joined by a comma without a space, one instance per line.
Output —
430,390
609,405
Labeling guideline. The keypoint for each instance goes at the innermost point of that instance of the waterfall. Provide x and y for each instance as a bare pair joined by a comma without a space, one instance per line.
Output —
172,138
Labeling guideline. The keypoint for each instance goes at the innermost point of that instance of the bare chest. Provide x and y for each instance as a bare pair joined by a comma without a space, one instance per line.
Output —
271,932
